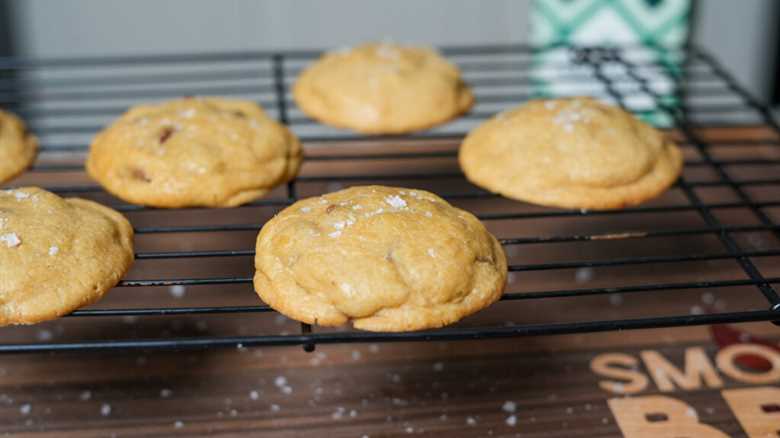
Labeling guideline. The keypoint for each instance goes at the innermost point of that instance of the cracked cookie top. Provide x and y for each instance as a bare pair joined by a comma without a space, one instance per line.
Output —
572,153
382,88
17,146
56,254
194,152
384,258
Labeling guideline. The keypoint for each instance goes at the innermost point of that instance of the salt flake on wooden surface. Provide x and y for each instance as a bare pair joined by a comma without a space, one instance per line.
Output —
177,290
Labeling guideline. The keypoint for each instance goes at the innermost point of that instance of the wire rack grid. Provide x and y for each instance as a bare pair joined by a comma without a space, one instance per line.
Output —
715,233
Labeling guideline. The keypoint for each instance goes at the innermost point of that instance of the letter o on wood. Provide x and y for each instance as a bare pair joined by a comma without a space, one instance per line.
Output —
727,364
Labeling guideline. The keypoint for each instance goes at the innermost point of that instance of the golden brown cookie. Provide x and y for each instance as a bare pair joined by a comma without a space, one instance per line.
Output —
17,146
382,89
571,153
56,254
206,152
385,258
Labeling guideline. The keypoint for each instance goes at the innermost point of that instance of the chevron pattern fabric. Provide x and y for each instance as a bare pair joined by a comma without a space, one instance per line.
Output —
662,23
659,25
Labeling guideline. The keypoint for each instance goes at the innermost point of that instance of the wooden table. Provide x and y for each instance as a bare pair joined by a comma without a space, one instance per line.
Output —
521,387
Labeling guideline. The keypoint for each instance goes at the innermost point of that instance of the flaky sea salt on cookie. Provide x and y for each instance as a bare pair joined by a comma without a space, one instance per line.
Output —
17,146
571,153
194,152
382,88
386,259
57,255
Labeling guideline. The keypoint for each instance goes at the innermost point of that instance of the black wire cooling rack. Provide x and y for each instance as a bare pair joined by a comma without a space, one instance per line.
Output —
717,228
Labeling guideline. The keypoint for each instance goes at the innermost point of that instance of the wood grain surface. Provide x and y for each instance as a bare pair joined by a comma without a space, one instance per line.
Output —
522,387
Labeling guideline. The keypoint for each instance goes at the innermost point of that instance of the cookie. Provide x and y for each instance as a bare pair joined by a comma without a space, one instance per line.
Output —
382,89
384,258
194,152
17,147
56,254
570,153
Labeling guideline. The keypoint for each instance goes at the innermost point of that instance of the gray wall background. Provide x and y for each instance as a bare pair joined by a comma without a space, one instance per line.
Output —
740,32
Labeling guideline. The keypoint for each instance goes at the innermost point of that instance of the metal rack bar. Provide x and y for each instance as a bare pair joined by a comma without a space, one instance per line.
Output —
481,216
417,137
628,234
305,121
510,296
252,55
442,154
292,193
354,337
512,268
89,188
527,267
